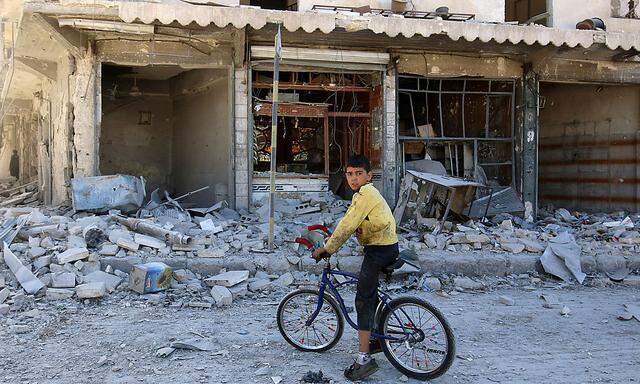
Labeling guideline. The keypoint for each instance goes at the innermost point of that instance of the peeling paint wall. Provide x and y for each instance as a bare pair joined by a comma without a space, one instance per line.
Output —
485,10
201,134
590,147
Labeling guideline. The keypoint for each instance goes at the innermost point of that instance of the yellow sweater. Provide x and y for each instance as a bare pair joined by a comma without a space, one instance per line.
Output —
370,214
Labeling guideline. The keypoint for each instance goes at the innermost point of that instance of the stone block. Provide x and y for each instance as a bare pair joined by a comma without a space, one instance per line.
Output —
4,295
72,254
59,294
221,295
211,253
42,262
111,282
259,285
91,290
228,279
183,275
108,249
284,280
149,241
35,252
63,280
4,309
127,244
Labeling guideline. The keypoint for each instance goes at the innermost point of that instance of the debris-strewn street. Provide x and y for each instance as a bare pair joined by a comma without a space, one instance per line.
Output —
496,343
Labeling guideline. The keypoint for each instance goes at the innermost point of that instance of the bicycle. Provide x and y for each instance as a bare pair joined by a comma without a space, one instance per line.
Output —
406,326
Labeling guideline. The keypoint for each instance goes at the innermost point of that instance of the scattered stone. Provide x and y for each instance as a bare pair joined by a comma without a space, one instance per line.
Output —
259,285
199,304
514,248
108,249
127,244
239,290
148,241
183,275
467,283
221,295
430,241
432,283
63,280
507,225
227,279
565,311
293,259
193,344
91,290
165,352
506,300
4,309
477,238
284,280
111,282
20,329
4,295
72,254
35,252
47,243
211,253
532,245
2,281
59,294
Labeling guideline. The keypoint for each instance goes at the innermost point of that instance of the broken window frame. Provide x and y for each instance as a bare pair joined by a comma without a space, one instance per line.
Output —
442,139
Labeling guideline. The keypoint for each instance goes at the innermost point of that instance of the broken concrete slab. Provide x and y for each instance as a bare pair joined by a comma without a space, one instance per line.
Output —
194,344
184,275
239,290
91,290
108,249
127,244
29,282
35,252
148,241
63,280
562,258
227,279
2,281
211,253
532,245
514,248
284,281
72,254
42,262
506,300
432,283
59,294
467,283
222,296
259,285
111,281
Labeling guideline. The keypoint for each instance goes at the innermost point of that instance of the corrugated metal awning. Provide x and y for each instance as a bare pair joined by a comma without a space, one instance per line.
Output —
241,17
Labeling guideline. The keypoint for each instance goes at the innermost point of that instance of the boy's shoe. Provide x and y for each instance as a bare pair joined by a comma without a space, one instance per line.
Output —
375,346
357,372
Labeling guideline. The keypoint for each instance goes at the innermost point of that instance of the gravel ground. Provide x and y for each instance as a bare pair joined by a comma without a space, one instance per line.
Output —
115,341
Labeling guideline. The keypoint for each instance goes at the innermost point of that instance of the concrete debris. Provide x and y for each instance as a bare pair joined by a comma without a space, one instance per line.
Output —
211,253
194,344
111,282
315,378
2,281
148,241
63,280
564,215
284,280
91,290
165,352
59,294
227,279
71,255
467,283
184,275
127,244
562,258
631,311
109,249
513,247
565,311
4,295
222,296
626,223
30,283
506,300
432,283
549,301
259,285
4,309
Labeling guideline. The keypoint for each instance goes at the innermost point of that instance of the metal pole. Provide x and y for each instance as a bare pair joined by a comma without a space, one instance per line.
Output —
274,135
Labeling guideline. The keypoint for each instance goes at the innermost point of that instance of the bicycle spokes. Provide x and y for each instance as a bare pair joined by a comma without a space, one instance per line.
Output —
296,314
419,341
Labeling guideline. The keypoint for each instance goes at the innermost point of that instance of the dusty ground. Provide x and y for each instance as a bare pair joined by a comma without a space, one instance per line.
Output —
115,341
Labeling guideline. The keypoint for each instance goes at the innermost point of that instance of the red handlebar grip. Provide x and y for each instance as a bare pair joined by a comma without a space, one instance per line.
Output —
320,227
304,242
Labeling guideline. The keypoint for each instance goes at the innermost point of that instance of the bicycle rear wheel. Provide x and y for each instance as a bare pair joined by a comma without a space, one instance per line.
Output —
425,348
321,335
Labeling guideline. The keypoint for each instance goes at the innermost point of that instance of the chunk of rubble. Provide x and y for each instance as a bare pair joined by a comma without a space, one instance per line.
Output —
467,283
59,294
259,285
111,282
222,296
211,253
284,280
227,279
562,258
514,248
183,275
108,249
127,244
91,290
4,295
532,245
148,241
72,254
29,282
63,280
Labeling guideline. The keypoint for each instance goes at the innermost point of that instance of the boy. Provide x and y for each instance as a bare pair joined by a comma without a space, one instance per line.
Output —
371,218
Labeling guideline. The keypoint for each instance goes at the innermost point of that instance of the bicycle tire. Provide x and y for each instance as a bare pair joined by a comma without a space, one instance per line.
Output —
450,353
334,307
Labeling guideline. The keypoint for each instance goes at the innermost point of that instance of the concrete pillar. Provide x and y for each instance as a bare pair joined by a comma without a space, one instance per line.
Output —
531,93
241,139
390,139
86,129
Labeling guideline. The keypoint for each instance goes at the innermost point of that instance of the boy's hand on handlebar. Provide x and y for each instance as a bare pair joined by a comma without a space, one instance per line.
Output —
320,254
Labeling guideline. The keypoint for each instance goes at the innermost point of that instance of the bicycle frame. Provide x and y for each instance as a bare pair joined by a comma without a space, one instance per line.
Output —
333,288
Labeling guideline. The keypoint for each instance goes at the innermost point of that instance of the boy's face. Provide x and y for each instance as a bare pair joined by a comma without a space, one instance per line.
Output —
357,177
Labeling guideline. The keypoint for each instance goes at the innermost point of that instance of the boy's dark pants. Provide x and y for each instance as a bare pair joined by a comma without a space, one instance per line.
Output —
376,258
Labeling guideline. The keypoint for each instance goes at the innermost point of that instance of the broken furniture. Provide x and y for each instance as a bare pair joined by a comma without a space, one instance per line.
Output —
425,195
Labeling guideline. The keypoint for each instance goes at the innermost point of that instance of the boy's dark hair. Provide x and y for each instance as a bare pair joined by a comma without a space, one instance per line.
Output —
359,161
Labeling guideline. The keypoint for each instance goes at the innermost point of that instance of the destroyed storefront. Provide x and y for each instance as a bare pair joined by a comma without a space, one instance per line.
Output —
325,114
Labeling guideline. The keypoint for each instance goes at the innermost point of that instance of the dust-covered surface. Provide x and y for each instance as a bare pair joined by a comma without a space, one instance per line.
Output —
115,341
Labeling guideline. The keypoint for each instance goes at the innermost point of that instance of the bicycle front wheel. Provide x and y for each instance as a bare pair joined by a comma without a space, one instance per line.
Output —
423,346
322,334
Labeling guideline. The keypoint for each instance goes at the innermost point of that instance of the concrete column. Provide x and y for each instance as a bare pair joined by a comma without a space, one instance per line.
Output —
390,139
241,139
86,130
531,98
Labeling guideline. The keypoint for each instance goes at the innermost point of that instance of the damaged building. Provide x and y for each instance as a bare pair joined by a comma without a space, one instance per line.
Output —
536,100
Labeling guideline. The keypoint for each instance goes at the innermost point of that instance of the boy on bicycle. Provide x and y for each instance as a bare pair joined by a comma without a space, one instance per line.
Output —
370,217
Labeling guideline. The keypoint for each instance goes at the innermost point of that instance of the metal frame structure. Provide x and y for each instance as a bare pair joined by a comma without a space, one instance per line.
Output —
446,139
407,14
